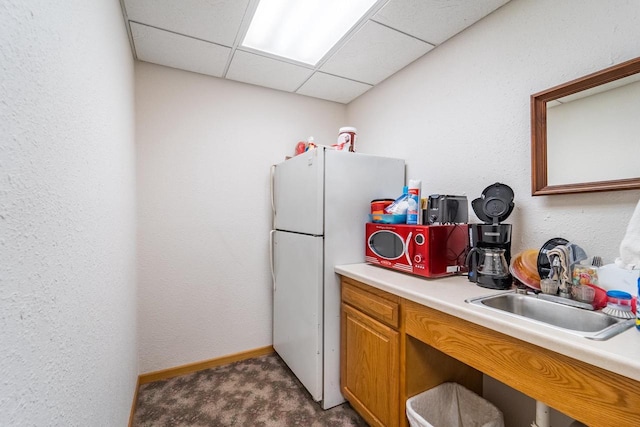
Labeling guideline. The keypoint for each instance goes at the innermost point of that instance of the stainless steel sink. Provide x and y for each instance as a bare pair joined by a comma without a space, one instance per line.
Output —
594,325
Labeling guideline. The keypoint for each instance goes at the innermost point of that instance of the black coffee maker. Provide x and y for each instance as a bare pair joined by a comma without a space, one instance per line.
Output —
490,254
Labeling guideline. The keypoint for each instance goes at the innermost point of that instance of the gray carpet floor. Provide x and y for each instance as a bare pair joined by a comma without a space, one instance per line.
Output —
259,392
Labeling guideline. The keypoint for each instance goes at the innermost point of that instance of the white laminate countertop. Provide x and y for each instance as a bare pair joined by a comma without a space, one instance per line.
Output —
619,354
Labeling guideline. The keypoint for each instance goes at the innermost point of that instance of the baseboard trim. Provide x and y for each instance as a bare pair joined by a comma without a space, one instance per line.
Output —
199,366
134,403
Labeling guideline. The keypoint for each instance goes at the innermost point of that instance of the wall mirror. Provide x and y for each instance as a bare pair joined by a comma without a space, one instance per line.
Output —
585,134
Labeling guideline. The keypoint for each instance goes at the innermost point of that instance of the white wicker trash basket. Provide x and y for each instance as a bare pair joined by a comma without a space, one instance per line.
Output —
452,405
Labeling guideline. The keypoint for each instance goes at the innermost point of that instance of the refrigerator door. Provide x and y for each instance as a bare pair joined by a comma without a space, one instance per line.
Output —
297,306
352,180
298,190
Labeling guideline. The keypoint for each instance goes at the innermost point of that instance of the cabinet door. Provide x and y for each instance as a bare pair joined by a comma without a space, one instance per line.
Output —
370,367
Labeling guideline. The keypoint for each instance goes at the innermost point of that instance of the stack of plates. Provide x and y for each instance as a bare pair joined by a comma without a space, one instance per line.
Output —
524,267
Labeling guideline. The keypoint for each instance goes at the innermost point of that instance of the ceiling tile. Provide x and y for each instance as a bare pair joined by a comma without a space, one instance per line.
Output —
374,53
434,21
262,71
333,88
217,21
173,50
201,35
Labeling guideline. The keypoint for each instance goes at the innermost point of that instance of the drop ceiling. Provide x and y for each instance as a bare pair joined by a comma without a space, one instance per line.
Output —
205,36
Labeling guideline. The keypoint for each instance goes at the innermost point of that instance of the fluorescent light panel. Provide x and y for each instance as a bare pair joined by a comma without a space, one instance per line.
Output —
303,30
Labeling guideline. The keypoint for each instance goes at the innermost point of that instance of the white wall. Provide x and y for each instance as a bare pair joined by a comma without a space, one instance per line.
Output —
67,215
205,146
461,115
461,118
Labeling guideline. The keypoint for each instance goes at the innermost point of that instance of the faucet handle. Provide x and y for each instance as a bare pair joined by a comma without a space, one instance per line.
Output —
521,288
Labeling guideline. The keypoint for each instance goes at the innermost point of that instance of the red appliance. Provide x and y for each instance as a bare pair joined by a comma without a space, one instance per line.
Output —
423,250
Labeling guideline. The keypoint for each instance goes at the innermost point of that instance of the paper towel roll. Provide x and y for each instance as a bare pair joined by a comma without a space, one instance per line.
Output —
630,246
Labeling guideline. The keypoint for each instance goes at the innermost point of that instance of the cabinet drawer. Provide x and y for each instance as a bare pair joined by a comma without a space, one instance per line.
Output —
374,304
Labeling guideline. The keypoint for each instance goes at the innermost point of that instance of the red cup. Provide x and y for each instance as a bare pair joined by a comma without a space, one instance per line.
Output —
378,206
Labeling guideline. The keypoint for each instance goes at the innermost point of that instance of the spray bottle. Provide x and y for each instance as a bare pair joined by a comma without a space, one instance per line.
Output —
413,211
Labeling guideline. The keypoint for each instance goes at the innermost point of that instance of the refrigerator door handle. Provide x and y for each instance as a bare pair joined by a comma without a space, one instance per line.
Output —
273,274
272,188
407,249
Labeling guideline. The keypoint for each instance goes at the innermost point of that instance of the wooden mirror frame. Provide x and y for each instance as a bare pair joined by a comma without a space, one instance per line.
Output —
539,101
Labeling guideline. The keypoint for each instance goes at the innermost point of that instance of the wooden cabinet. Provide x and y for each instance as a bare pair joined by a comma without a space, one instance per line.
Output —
393,349
381,366
589,394
370,353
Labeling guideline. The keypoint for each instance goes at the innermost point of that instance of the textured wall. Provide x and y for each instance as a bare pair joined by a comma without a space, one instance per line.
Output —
67,215
205,147
460,117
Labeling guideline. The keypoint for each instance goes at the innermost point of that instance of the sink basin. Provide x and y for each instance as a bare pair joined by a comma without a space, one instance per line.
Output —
588,324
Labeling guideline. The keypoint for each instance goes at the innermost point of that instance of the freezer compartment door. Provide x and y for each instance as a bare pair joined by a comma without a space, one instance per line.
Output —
298,193
297,306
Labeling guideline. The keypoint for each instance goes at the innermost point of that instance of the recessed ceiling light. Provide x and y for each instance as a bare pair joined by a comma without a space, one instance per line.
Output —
302,30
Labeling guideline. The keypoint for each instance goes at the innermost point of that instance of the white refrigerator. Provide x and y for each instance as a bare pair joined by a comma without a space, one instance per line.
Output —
320,201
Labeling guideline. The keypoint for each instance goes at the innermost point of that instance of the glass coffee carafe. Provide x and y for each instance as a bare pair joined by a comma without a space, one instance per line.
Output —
493,262
492,267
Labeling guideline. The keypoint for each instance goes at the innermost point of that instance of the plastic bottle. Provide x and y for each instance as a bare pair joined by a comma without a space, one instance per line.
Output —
413,211
637,308
310,144
399,206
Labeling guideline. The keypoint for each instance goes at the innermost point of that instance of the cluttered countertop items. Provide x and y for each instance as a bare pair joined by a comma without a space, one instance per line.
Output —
436,241
431,237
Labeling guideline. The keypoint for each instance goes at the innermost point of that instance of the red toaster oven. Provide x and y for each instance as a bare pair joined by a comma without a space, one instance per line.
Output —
423,250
